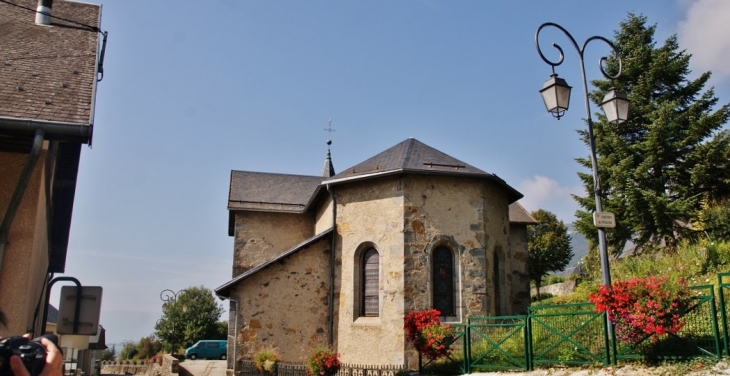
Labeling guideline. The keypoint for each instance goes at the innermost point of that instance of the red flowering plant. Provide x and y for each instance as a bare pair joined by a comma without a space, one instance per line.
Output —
323,362
426,333
643,307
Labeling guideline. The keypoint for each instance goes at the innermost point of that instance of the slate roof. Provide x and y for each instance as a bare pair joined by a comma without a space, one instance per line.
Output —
261,191
518,214
55,63
413,156
48,78
271,192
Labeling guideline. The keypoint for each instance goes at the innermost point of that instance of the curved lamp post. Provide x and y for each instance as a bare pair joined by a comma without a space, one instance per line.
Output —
170,297
556,95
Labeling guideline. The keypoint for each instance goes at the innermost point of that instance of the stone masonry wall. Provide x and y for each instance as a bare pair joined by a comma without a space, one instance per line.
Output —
262,236
467,215
519,276
285,305
323,217
370,214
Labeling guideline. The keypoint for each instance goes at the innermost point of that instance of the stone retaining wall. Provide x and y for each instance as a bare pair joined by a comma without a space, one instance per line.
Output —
170,366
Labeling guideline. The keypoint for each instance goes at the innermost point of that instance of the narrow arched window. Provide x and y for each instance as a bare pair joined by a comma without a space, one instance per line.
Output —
370,285
443,281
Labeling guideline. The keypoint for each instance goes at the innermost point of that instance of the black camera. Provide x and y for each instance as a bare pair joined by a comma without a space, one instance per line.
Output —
31,352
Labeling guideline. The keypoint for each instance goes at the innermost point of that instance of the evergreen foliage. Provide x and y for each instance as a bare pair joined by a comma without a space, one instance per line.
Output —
658,167
109,353
548,246
192,316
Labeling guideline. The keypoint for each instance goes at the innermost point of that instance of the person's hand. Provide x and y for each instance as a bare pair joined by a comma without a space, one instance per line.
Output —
54,361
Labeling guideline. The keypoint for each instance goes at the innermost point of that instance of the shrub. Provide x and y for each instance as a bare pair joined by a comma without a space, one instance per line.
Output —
265,360
644,307
426,333
323,362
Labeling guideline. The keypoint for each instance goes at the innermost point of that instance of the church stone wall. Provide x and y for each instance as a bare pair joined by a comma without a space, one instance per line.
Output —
470,217
323,218
519,275
285,305
261,236
370,214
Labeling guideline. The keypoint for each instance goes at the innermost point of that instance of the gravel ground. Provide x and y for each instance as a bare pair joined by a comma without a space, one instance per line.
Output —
679,369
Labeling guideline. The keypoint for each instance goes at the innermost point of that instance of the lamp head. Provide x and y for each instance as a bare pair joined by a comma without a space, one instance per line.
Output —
555,94
616,106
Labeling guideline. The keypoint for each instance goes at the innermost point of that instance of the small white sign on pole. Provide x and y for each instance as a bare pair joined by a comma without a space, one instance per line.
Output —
90,309
604,220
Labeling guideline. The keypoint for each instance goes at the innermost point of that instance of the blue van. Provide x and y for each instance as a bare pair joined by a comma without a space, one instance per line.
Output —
208,349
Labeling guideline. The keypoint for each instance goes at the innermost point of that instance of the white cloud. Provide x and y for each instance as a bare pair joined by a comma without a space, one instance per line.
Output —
542,192
704,33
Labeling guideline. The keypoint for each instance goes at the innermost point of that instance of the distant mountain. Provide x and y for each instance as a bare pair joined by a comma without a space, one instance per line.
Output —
580,248
579,244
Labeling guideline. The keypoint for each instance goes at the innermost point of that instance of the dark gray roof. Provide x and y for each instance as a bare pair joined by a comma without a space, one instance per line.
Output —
224,289
518,214
413,156
329,169
36,61
52,314
261,191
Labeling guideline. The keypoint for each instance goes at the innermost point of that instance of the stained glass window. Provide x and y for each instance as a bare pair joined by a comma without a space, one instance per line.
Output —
443,281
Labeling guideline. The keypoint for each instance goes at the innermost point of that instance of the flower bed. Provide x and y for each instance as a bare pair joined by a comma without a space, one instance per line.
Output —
643,307
425,331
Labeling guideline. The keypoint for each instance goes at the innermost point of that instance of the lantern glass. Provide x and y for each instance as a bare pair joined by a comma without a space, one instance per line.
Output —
615,106
556,95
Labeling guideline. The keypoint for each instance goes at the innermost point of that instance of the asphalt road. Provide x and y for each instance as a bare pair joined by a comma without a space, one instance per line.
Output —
202,367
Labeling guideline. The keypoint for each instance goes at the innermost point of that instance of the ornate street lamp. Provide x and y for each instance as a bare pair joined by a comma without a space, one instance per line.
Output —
556,95
169,299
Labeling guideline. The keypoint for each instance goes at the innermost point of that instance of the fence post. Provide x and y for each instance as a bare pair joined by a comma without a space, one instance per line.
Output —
722,286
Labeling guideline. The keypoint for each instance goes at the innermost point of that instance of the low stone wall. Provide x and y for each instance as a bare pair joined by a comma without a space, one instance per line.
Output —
169,366
557,289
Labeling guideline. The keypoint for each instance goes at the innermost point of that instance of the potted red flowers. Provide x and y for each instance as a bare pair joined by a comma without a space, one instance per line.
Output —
323,362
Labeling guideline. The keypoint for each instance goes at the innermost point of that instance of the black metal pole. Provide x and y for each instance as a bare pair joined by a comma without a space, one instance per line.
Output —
48,300
602,246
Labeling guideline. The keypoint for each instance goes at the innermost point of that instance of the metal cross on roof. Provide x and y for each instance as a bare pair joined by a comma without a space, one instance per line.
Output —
329,129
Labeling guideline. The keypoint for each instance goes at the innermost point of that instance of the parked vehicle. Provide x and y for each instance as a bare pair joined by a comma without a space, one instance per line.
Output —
208,349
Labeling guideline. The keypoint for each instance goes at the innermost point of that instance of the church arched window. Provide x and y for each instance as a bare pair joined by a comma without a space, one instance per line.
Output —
370,283
443,281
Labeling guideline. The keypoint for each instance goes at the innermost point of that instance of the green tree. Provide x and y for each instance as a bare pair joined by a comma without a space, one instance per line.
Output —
187,318
129,350
109,354
148,347
657,167
548,246
221,330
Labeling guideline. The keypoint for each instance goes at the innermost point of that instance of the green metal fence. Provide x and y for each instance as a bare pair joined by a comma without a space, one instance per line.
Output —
575,334
700,337
568,334
456,362
497,343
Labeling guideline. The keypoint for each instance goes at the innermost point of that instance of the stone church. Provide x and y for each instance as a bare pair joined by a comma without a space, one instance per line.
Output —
338,260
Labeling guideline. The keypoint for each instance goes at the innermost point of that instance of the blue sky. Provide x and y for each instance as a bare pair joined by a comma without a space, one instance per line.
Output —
195,89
